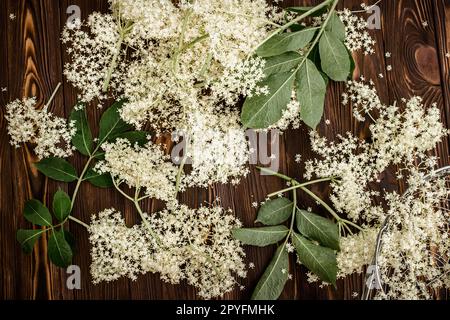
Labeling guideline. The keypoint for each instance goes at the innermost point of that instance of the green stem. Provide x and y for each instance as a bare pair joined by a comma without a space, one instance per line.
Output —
52,97
120,190
297,186
113,64
276,174
180,41
299,18
80,180
193,43
144,220
294,209
323,203
136,200
79,222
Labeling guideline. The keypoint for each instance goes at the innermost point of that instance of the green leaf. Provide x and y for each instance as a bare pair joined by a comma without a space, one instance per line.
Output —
59,250
28,238
319,260
82,140
98,179
261,237
289,41
305,9
311,90
318,228
273,280
62,205
37,213
70,240
282,63
111,124
334,57
337,27
261,111
57,169
274,212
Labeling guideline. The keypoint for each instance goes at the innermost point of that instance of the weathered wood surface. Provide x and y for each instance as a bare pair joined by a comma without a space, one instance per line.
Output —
31,63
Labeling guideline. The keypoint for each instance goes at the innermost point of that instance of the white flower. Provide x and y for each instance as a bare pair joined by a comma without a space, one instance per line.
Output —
140,167
51,135
178,243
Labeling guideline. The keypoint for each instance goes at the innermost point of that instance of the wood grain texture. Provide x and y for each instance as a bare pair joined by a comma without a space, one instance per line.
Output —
31,64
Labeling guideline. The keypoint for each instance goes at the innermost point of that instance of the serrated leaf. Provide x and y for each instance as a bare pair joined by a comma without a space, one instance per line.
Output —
261,237
274,278
334,57
59,250
284,42
28,238
336,26
99,180
319,260
57,169
62,205
318,228
282,63
274,212
82,140
38,214
111,124
311,90
261,111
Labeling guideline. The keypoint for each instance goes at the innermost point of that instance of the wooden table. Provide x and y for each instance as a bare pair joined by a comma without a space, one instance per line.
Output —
31,64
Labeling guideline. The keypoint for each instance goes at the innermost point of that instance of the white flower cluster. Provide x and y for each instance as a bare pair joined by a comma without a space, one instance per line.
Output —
357,37
179,67
356,251
91,54
416,247
140,167
184,244
218,149
398,137
50,134
363,97
116,250
414,258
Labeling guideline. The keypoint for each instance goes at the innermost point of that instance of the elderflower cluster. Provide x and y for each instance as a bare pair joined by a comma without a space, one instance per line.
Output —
356,251
116,250
140,167
218,149
398,137
357,37
91,52
363,97
178,243
415,247
50,134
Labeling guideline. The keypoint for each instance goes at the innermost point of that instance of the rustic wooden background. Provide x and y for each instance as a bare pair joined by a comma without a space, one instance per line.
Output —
31,64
